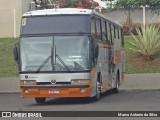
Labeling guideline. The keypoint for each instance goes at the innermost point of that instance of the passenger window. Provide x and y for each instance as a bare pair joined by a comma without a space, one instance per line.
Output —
104,31
118,32
109,32
98,29
114,31
122,37
93,28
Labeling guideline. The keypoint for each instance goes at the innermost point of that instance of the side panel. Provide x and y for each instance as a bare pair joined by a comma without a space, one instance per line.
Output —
93,81
103,65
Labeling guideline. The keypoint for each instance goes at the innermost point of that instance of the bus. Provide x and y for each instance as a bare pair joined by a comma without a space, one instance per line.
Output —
69,52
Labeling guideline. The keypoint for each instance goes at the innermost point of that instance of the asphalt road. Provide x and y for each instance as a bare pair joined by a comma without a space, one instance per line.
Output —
123,101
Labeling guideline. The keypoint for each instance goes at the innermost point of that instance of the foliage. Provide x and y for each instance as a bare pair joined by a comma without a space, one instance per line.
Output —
130,28
128,4
147,42
135,64
48,4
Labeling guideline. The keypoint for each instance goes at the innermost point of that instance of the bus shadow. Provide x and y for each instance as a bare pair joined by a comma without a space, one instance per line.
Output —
76,101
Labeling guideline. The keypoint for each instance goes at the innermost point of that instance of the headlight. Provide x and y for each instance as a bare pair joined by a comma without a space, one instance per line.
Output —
77,81
29,82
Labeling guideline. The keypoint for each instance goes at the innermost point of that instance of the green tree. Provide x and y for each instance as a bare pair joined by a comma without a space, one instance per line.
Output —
128,4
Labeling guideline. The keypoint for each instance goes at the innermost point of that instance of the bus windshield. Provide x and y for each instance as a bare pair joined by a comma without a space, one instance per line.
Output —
58,53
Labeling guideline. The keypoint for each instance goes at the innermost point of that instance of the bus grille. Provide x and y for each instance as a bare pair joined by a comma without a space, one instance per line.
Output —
49,83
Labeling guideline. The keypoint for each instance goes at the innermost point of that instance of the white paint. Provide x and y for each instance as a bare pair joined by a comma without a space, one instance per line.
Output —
144,15
65,11
59,11
14,23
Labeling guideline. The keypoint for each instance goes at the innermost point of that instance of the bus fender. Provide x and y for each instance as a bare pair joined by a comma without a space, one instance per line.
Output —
93,92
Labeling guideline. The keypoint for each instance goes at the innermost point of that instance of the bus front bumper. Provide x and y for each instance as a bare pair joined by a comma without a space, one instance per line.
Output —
37,91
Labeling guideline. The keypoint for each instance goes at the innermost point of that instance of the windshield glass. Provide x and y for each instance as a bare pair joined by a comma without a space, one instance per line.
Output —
34,50
59,53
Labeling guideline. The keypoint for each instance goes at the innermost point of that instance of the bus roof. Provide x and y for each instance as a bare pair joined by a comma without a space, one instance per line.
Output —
58,11
64,11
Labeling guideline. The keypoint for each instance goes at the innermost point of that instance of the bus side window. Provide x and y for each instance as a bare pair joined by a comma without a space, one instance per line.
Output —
104,31
109,32
122,37
112,33
98,29
93,27
118,32
101,38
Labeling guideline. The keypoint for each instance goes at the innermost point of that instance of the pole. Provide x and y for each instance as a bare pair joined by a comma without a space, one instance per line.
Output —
14,23
144,15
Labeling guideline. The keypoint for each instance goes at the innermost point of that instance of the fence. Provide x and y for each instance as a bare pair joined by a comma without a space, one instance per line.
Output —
136,16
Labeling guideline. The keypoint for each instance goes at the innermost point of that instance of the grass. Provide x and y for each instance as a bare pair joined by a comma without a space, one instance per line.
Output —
8,67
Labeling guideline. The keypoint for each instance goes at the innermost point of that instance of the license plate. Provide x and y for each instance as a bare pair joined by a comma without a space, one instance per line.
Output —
53,91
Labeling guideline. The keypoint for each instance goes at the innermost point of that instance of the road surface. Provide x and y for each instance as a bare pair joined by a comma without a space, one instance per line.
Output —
148,100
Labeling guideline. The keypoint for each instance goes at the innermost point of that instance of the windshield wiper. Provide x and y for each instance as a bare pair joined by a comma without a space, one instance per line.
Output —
63,62
76,64
45,61
57,56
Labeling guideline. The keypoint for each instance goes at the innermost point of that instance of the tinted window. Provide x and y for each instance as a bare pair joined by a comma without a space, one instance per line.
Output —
103,30
98,29
93,28
56,24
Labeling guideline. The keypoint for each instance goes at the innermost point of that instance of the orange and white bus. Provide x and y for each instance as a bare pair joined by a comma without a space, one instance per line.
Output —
69,52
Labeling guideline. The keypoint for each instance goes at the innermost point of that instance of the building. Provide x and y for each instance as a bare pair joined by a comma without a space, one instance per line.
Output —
10,13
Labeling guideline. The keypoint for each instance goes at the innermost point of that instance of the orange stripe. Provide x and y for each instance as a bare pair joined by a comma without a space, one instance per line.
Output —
104,83
70,92
117,57
92,76
122,78
101,45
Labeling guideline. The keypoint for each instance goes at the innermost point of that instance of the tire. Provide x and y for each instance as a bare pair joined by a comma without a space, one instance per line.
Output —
40,100
116,90
98,90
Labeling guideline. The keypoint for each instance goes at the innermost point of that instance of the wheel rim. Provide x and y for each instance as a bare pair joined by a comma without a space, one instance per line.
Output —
98,89
117,84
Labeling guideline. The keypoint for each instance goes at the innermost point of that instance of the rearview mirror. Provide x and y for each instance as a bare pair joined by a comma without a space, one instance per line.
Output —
16,53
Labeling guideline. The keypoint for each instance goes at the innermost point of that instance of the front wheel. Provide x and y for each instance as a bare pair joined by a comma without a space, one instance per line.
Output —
40,100
98,92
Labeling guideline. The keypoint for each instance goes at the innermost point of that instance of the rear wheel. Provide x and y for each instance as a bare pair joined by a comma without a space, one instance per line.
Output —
40,100
116,90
